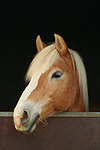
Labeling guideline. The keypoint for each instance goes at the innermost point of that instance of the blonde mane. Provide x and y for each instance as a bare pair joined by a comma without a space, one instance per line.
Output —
48,56
82,76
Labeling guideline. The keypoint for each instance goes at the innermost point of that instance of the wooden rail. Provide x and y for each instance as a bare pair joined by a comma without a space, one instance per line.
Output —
65,131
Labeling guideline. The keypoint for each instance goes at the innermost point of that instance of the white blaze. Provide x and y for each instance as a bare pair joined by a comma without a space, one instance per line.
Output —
30,88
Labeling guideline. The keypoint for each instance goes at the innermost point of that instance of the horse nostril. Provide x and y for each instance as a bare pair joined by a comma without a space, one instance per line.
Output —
25,117
38,116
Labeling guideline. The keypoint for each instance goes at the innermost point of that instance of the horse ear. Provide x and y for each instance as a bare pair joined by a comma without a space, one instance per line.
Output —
60,44
39,44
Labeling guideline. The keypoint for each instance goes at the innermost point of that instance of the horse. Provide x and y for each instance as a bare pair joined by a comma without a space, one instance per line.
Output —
57,83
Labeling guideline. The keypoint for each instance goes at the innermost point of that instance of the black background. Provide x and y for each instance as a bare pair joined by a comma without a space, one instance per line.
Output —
20,23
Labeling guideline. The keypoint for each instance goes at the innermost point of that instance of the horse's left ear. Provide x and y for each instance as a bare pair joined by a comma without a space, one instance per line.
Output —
60,44
39,44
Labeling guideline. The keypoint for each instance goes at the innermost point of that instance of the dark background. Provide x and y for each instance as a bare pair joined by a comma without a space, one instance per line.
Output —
77,22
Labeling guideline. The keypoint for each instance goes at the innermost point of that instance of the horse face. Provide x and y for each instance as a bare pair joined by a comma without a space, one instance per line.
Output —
50,90
53,92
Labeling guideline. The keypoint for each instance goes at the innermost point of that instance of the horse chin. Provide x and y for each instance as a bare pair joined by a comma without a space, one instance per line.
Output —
31,129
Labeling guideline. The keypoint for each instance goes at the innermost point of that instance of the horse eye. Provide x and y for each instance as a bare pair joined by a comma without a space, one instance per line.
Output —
57,75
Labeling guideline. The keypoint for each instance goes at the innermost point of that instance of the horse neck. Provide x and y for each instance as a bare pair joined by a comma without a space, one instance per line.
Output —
77,105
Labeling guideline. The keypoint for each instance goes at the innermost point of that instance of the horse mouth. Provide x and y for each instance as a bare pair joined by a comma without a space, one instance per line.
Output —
33,124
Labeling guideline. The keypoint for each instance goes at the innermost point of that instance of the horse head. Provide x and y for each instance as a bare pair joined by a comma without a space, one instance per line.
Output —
54,85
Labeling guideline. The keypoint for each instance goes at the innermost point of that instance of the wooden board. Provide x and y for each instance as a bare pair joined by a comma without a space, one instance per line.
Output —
79,131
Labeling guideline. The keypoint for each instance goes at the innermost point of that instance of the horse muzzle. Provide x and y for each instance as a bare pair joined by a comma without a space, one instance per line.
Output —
26,123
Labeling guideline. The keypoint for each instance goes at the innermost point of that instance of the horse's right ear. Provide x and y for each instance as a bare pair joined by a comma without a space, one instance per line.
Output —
39,44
